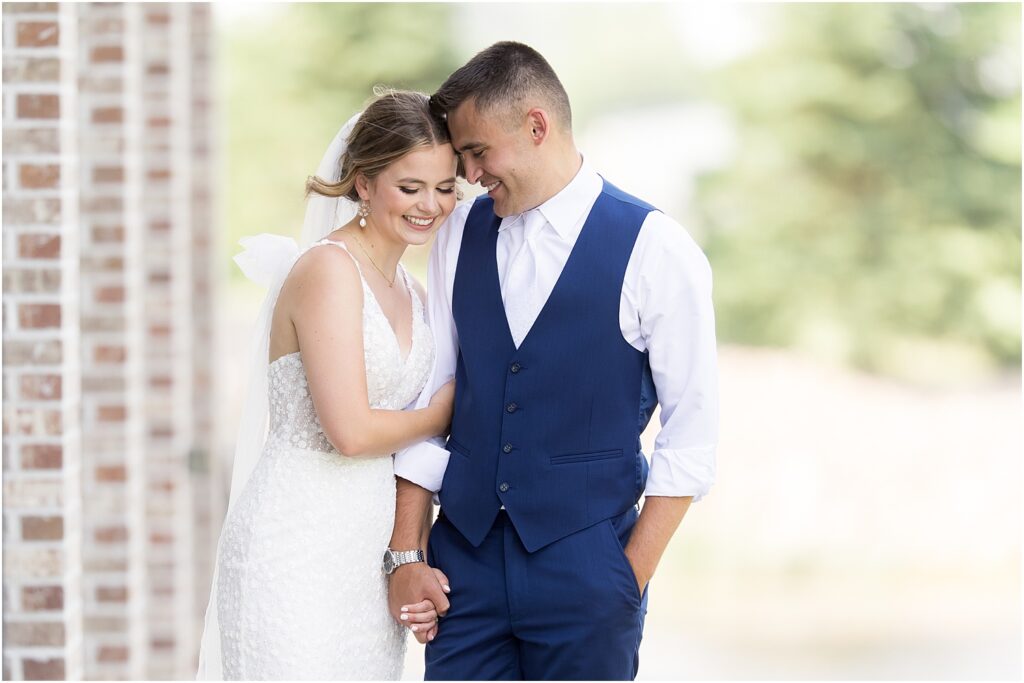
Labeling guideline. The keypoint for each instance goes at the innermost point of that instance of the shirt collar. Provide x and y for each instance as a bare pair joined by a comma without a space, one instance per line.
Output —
564,210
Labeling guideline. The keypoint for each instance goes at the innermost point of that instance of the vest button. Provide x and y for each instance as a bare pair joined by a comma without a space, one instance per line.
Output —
504,487
511,407
507,448
516,367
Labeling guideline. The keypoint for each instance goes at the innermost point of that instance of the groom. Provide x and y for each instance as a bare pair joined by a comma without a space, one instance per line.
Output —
566,310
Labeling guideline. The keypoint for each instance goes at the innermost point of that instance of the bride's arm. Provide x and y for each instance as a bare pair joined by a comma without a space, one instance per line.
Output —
327,312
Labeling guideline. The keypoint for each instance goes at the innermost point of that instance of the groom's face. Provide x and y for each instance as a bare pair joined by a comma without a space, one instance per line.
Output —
496,154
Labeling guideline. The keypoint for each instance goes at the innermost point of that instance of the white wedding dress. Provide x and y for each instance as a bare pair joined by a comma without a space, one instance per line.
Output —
301,593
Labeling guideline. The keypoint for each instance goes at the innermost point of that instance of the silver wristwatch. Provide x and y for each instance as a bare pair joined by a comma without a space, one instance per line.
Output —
393,559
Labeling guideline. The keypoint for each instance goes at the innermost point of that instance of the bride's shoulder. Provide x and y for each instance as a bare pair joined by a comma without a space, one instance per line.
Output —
327,267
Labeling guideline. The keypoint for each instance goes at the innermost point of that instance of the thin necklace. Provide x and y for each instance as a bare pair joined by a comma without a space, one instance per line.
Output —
389,280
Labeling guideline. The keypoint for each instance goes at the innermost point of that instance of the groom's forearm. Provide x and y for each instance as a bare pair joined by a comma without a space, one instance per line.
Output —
412,516
659,519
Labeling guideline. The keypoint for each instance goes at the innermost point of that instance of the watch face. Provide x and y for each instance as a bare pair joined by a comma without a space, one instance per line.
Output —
389,562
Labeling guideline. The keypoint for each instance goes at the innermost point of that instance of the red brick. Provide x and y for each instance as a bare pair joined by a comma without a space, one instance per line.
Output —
108,233
110,473
41,457
109,354
32,141
164,486
33,422
33,7
39,246
33,633
112,534
113,653
159,174
108,264
38,107
31,280
108,174
95,26
42,528
112,594
43,669
112,414
159,330
110,295
42,598
33,352
39,316
162,643
158,18
101,204
161,537
38,34
40,387
23,69
107,53
36,176
107,115
32,210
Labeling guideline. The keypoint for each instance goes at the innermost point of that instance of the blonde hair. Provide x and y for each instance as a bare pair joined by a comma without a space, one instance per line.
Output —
395,123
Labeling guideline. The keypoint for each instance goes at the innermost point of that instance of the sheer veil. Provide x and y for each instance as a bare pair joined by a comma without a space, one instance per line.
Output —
266,260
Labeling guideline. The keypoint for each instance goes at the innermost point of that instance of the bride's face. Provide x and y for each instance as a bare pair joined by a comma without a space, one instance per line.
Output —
411,198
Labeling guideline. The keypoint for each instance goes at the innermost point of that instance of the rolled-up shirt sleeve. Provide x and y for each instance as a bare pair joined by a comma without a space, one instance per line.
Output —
667,311
424,463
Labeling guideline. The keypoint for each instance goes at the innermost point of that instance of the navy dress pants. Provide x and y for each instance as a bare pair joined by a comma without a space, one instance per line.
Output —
569,611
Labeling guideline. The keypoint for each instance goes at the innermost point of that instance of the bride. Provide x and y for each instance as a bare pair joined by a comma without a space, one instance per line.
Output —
298,591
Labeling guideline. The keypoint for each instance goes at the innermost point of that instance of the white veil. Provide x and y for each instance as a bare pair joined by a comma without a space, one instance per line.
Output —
266,260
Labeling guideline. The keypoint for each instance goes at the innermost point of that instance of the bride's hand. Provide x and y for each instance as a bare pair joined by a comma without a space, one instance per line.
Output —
422,617
443,403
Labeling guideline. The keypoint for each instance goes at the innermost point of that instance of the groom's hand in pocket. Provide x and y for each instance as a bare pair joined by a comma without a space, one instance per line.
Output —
411,585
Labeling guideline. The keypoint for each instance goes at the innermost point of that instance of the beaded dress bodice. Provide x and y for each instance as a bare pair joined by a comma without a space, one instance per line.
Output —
391,381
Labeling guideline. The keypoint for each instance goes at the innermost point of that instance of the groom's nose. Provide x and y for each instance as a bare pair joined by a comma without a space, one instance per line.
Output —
473,171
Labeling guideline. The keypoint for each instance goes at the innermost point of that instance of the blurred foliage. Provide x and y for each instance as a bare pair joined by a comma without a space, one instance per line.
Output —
873,212
871,215
294,73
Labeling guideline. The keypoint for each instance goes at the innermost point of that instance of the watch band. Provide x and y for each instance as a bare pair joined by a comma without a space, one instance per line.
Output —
406,556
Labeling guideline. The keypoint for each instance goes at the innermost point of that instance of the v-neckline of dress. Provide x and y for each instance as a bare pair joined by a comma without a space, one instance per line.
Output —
380,309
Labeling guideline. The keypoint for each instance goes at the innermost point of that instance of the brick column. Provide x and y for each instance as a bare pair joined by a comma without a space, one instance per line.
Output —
167,267
136,294
41,376
204,231
108,414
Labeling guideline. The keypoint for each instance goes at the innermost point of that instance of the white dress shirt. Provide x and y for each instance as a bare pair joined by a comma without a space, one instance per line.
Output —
665,310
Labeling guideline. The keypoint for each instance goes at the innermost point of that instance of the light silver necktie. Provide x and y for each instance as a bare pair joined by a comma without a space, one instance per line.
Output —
520,295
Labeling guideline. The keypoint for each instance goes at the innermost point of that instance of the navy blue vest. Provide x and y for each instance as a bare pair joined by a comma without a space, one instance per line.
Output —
551,429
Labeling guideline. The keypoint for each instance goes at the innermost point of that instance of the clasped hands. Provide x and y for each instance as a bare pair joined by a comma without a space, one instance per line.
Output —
417,597
411,581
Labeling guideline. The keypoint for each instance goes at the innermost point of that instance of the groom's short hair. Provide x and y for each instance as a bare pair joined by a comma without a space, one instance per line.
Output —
504,78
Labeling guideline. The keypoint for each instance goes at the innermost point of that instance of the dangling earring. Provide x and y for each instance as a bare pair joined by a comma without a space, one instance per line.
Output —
364,211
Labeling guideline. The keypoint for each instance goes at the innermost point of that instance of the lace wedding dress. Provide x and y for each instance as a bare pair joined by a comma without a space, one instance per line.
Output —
301,593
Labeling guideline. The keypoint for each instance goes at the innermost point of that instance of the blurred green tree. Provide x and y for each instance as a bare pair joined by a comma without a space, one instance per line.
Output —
873,213
293,74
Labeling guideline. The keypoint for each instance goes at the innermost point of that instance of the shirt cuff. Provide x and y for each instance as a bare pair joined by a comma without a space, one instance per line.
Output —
681,472
423,464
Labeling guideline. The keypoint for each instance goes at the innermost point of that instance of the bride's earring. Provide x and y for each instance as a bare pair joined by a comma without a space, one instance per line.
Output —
364,211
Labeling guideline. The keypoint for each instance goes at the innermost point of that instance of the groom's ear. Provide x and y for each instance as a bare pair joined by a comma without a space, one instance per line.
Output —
539,125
